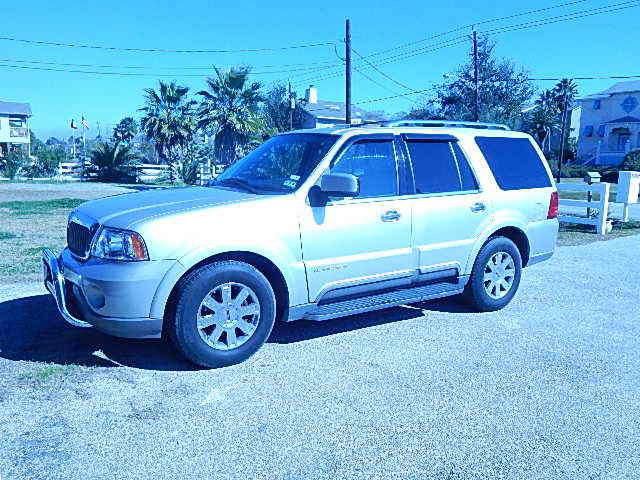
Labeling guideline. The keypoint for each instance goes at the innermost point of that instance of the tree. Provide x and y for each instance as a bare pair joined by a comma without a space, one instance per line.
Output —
111,161
503,89
282,110
168,119
230,107
125,130
544,119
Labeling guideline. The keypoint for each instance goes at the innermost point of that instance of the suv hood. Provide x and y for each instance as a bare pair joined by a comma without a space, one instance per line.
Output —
124,211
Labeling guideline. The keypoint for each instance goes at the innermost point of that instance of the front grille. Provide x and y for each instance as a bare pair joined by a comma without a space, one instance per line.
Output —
79,239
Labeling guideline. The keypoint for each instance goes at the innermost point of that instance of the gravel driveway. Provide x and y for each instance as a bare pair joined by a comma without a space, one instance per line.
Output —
547,388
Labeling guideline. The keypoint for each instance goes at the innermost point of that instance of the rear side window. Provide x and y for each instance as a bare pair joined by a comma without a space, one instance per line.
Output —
440,167
514,162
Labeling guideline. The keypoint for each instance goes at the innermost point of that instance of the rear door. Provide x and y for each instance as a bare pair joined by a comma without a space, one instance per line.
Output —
449,208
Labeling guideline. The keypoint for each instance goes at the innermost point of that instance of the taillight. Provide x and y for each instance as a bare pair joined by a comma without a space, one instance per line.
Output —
553,206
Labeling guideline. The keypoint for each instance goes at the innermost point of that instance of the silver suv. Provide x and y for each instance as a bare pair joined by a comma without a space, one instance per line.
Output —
313,224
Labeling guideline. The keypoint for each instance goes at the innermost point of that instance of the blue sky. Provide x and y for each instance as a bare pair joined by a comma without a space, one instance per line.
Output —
597,45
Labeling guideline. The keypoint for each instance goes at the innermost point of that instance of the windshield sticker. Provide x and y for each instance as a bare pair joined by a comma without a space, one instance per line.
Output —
289,183
294,177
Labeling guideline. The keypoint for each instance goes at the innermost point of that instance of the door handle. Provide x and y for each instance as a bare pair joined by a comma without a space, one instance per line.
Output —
478,207
391,216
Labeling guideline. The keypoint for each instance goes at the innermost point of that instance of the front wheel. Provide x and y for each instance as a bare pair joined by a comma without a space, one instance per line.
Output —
224,313
495,276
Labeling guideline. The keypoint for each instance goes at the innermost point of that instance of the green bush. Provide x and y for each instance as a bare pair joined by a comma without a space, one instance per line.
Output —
13,163
631,161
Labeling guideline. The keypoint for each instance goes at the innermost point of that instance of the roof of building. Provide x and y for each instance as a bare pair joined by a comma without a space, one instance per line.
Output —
627,119
15,108
620,87
338,110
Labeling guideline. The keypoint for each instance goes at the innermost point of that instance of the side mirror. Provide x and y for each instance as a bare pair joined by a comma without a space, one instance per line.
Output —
340,185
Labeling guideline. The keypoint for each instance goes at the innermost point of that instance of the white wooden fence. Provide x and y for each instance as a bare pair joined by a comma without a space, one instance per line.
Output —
589,212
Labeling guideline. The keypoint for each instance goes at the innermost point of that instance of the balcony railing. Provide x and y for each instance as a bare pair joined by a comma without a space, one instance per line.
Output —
18,132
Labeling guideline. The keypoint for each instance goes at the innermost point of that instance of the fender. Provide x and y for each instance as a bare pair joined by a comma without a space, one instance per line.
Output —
502,219
273,249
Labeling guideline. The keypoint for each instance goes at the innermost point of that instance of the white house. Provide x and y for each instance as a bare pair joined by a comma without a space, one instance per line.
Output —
610,124
324,113
14,127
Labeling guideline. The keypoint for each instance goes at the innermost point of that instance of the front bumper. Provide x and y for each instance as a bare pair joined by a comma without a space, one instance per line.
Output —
77,296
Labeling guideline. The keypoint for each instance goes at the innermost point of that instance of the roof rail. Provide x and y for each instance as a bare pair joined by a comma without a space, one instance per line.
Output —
446,124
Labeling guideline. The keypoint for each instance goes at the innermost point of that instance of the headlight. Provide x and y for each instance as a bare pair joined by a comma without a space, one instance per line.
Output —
115,244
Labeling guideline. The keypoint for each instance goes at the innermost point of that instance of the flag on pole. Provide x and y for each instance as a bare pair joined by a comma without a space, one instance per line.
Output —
84,123
73,124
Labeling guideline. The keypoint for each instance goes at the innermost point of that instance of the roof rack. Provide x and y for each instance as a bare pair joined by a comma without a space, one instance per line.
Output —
446,124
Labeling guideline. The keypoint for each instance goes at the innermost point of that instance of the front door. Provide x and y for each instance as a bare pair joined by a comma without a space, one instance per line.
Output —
360,244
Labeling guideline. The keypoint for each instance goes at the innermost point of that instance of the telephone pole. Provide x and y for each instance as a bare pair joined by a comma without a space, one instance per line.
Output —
476,88
292,106
347,65
563,132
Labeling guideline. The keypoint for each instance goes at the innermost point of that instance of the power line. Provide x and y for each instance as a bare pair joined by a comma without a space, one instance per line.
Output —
7,64
610,8
554,79
481,22
397,82
311,66
163,50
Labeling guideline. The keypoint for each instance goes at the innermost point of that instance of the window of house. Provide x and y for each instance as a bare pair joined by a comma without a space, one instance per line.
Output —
374,163
596,104
514,162
440,167
601,131
16,122
588,131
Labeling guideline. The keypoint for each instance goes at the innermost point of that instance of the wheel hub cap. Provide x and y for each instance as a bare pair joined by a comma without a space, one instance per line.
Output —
228,316
499,274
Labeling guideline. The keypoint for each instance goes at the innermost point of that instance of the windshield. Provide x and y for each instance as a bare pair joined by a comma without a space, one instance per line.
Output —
279,165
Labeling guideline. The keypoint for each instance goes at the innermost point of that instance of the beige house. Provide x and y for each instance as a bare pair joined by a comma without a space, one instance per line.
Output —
14,127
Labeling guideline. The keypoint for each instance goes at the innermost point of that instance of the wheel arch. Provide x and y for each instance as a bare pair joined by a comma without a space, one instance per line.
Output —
517,236
264,265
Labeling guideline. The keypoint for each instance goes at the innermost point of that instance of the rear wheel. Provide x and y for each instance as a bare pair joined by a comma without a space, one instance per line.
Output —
224,313
495,276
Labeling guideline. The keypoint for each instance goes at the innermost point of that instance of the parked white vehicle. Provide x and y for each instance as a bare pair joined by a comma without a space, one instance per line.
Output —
313,224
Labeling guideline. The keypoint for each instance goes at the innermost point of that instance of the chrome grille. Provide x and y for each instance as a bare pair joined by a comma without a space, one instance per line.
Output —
79,239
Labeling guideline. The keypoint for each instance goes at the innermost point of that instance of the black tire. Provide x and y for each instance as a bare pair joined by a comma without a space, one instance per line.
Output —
194,288
474,293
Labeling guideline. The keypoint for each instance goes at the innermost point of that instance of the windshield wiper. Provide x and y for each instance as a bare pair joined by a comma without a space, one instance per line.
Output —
237,182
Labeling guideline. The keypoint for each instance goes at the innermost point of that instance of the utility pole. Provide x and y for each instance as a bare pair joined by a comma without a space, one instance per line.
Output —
347,73
563,133
476,87
292,106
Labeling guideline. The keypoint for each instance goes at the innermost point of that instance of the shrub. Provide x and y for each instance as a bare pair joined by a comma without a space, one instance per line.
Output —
113,162
13,163
631,161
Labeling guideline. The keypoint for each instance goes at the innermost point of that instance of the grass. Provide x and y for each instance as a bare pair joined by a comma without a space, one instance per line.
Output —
35,207
571,234
47,373
7,235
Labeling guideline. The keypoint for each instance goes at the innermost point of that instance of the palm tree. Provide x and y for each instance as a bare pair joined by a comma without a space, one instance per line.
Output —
545,119
230,106
169,121
111,160
125,130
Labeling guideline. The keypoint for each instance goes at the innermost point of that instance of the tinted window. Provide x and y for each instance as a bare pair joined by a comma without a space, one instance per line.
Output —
467,179
373,162
514,162
440,167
